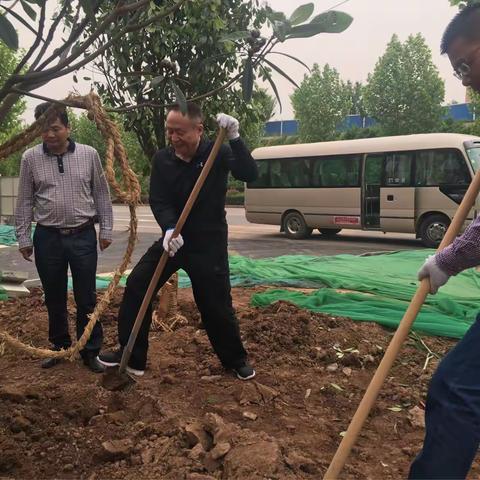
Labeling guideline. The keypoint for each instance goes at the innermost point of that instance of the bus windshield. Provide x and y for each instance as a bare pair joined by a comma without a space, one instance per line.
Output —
474,156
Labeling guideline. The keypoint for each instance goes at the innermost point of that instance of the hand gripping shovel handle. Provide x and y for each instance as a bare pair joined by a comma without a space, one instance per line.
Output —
163,259
396,343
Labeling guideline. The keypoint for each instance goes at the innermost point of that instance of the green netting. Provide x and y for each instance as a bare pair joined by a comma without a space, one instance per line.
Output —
7,235
386,282
3,292
379,288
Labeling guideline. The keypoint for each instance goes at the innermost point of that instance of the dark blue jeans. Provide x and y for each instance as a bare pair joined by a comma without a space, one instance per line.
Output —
452,413
54,253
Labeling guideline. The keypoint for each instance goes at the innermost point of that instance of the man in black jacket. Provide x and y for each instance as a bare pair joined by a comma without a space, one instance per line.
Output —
201,249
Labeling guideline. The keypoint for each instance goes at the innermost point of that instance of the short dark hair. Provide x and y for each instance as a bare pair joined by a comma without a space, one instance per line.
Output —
465,24
62,114
194,111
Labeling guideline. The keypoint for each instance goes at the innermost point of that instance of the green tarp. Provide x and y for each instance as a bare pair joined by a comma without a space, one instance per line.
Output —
7,235
379,288
3,292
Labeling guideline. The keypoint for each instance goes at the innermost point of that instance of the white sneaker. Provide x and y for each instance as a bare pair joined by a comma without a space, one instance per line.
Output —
134,371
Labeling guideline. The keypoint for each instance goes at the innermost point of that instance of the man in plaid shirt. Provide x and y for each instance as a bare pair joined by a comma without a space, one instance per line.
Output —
62,188
452,413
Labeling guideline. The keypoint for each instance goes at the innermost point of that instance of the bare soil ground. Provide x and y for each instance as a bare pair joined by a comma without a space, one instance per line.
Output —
189,419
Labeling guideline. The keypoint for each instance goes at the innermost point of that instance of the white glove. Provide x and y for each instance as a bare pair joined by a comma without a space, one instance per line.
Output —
437,276
230,124
172,245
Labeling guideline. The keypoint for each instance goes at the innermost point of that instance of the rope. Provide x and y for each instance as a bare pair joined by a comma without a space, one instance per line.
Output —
130,196
167,314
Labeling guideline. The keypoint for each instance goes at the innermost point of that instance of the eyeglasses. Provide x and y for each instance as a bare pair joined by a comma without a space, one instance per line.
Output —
463,69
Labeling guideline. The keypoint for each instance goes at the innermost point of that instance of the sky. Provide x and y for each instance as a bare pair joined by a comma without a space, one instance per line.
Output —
353,53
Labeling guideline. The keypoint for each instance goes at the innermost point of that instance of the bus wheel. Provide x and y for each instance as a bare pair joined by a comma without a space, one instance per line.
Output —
433,229
329,232
295,227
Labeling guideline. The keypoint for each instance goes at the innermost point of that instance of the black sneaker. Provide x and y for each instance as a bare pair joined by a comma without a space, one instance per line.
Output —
50,362
244,372
94,364
111,358
114,358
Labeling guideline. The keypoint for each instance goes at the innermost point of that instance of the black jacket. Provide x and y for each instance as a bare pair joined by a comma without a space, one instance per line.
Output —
172,180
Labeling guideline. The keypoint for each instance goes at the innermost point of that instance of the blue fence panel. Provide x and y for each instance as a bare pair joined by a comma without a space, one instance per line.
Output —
459,112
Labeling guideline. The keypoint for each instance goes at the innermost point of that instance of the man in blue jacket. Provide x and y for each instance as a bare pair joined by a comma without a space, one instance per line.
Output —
201,249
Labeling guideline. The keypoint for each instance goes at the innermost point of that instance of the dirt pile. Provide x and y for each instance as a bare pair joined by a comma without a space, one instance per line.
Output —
188,419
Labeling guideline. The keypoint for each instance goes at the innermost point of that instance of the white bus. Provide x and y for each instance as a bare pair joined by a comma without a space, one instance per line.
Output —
409,184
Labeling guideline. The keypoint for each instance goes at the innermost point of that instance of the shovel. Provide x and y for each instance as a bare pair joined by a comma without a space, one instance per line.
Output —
117,379
396,343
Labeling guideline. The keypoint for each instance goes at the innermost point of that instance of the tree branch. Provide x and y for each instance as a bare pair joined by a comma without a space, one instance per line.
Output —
36,43
109,19
20,92
75,33
46,76
19,18
50,34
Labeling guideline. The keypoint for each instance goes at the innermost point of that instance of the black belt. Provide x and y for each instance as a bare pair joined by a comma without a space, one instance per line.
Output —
69,230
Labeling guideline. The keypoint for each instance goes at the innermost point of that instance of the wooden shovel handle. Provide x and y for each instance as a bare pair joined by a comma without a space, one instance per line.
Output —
398,339
163,259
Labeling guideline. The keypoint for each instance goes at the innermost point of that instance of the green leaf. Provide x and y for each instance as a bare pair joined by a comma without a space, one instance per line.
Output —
301,14
247,80
272,84
87,6
276,16
328,22
280,29
337,387
179,97
280,71
87,79
157,80
75,79
229,37
293,58
8,33
333,21
28,10
395,409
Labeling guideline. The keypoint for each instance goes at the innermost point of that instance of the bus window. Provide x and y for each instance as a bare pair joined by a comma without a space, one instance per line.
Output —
474,156
398,169
263,180
440,167
338,171
299,172
290,172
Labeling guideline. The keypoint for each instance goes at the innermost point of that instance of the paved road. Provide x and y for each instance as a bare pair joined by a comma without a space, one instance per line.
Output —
256,241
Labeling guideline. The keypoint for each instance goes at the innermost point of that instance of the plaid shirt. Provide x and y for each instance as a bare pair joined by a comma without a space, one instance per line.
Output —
463,253
62,191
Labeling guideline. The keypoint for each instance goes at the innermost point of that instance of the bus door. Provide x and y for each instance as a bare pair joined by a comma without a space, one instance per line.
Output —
371,183
397,194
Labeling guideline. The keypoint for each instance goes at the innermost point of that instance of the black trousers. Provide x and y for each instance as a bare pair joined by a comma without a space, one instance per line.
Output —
54,253
205,259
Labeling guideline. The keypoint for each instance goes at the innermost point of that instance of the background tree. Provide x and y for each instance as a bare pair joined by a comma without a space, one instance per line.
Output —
186,51
84,22
356,92
197,50
463,3
320,103
12,123
85,131
405,92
